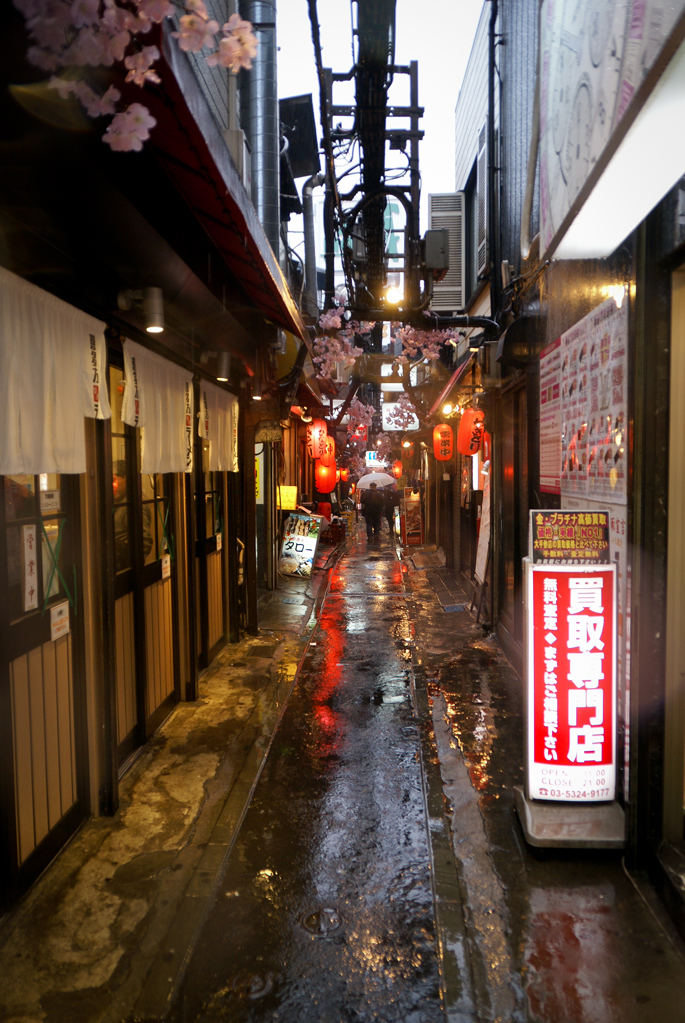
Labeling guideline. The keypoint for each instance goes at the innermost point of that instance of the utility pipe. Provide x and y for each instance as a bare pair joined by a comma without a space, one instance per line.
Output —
310,287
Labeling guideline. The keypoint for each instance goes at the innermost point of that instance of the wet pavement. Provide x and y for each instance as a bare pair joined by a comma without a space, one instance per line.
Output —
329,834
325,912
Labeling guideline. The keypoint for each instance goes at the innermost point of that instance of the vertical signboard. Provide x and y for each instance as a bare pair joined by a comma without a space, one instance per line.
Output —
300,539
550,418
412,524
571,675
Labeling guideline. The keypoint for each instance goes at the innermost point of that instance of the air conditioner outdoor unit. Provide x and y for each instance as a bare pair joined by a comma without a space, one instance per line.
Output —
446,210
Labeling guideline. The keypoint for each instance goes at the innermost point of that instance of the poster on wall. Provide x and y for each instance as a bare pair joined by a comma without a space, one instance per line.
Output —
550,418
571,682
300,539
594,396
483,534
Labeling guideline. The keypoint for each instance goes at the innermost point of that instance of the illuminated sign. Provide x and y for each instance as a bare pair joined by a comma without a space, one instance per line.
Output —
300,540
570,537
571,679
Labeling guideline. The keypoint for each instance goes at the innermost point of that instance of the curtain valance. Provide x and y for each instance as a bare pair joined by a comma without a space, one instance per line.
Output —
158,397
218,424
52,364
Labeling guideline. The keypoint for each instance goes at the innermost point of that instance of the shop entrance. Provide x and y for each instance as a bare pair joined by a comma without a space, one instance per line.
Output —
144,598
43,772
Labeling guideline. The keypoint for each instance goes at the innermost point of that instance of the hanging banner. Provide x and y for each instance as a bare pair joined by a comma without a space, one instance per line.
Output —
203,418
30,571
300,540
571,680
188,426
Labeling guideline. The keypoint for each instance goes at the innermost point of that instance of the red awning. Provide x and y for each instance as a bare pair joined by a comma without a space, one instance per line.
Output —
206,177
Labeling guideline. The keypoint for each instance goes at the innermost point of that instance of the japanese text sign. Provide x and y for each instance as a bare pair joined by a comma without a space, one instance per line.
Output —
570,537
571,678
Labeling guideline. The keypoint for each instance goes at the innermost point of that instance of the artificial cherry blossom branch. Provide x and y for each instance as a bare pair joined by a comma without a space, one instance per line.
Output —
73,35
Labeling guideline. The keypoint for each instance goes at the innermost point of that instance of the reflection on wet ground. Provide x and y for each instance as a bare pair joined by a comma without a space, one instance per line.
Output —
558,936
325,912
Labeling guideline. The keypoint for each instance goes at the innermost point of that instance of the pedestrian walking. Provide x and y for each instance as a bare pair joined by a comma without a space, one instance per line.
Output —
372,509
392,499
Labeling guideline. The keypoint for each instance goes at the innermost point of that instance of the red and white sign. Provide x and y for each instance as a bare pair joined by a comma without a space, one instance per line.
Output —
571,668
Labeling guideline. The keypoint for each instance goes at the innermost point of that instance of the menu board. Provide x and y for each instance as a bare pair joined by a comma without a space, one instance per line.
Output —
594,396
300,539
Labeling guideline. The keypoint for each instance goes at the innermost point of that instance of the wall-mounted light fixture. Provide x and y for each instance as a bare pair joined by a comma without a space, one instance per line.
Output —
305,416
475,342
256,388
223,366
152,302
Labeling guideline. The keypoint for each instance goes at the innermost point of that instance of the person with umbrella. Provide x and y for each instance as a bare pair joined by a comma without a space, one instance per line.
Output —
372,509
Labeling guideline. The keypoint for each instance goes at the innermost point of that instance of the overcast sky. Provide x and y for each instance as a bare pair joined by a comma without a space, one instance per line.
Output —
437,33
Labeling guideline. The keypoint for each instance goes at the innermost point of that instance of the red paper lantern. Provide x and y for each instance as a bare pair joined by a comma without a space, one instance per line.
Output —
487,446
443,441
396,469
316,438
408,452
471,431
324,476
344,475
328,456
337,475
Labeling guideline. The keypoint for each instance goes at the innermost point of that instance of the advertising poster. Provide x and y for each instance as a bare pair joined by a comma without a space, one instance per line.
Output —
300,539
570,537
413,520
594,396
550,418
571,678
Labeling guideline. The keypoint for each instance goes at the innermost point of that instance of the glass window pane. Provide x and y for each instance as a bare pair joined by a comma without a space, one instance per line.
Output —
149,547
49,550
209,513
20,500
116,397
119,469
122,546
162,524
148,486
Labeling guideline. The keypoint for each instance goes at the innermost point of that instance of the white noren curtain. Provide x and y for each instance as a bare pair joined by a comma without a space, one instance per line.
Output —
52,366
218,423
159,398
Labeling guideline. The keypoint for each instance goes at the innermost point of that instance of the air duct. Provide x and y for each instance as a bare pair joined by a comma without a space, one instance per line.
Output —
259,118
311,288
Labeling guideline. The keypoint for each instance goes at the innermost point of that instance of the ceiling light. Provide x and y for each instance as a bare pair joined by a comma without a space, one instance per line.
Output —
223,366
153,310
256,389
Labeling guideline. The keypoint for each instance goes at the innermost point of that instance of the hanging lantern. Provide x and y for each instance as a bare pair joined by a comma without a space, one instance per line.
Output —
328,457
353,487
471,431
316,438
324,476
396,469
443,441
344,475
337,475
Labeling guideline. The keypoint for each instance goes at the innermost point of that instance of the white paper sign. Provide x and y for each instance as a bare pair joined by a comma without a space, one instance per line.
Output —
49,501
166,566
218,541
59,620
30,544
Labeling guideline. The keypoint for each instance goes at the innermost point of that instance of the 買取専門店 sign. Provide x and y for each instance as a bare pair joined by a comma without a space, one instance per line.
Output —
571,669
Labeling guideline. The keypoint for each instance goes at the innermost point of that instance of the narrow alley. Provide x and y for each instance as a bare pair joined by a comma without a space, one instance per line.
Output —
342,845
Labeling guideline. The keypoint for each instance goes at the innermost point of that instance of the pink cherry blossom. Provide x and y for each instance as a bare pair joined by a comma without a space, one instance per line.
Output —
332,320
139,66
129,129
197,7
196,33
156,10
228,54
104,105
85,12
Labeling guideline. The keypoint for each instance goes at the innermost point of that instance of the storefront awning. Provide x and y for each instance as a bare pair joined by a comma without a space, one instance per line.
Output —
188,144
